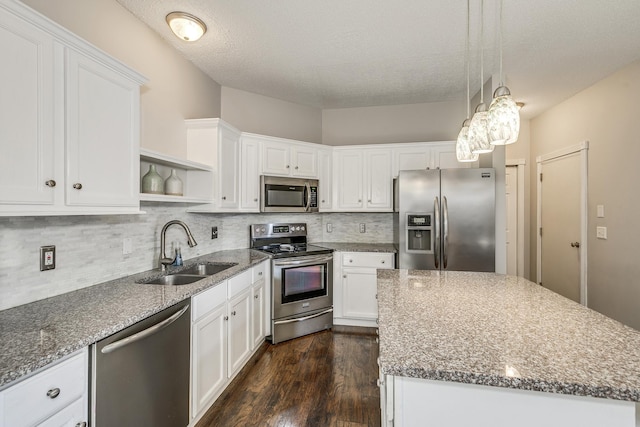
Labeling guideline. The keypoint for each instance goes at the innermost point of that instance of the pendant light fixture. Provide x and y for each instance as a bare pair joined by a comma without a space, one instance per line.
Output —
503,116
478,130
186,26
463,151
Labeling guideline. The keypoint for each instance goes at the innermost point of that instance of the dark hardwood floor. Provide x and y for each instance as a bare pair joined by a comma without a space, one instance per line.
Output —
323,379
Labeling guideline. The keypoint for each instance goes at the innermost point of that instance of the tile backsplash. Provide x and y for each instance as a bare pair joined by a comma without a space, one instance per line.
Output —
89,248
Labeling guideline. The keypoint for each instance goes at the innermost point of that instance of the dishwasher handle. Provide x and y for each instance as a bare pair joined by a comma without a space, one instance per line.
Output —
144,333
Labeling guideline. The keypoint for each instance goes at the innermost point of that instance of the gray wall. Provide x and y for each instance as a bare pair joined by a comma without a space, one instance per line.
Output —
438,121
259,114
606,115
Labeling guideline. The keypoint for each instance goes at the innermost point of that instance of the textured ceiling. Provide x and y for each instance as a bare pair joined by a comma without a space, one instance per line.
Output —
353,53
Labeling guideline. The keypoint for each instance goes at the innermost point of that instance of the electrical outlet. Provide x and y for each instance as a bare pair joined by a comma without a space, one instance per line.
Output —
329,227
363,227
127,246
214,232
601,233
47,257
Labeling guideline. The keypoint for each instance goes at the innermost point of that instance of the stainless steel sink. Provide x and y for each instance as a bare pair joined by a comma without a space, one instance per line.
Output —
175,279
207,269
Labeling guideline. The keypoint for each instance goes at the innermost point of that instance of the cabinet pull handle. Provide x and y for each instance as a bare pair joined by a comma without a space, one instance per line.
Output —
369,200
77,186
50,183
53,393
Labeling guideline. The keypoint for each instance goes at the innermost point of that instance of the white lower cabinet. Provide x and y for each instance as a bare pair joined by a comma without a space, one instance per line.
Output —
56,396
224,334
355,286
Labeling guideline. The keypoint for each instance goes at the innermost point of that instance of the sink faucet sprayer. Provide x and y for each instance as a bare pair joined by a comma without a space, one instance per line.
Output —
164,261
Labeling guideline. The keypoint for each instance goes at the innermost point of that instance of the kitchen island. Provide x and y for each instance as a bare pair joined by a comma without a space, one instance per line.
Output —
483,349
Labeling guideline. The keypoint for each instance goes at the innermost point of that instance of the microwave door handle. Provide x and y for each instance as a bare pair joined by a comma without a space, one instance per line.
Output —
306,208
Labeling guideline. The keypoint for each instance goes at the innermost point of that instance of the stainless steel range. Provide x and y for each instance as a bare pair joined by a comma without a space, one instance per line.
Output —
301,280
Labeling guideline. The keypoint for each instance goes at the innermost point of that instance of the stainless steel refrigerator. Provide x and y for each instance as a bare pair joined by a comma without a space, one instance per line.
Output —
445,219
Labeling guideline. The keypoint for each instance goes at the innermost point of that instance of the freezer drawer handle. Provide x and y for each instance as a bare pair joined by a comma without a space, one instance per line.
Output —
302,319
145,333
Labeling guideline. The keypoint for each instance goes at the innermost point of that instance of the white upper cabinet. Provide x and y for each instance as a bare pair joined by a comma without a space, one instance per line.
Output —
249,174
213,142
363,179
415,157
325,178
69,120
288,158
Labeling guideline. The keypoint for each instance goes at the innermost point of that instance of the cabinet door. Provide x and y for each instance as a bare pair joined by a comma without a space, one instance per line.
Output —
239,333
275,158
359,289
209,358
349,186
249,175
379,180
74,415
413,158
443,156
103,134
26,113
325,178
304,161
228,164
257,314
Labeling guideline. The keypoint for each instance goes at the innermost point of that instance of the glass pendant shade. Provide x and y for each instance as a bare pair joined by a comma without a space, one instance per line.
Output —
186,26
503,118
479,132
463,151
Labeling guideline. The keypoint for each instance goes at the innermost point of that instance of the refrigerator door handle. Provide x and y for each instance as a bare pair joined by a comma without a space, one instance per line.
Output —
436,249
445,231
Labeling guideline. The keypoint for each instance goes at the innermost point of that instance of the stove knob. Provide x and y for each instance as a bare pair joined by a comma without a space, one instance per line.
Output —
262,230
297,228
302,228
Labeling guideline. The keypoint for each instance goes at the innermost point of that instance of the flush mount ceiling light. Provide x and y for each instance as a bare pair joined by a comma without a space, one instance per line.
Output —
503,117
186,26
463,151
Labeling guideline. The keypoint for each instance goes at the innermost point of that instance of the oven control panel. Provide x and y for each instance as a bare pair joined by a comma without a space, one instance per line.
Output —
278,230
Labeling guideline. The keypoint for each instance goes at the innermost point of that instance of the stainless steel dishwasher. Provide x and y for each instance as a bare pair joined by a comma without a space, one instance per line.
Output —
140,375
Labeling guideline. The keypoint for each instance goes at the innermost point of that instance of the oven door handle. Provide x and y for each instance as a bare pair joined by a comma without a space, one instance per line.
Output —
302,319
302,261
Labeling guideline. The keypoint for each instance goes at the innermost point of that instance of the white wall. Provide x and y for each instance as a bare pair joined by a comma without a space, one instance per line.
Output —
263,115
176,90
605,114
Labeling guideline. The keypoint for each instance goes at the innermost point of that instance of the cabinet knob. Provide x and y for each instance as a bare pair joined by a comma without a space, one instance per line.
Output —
369,200
82,424
383,261
50,183
344,276
296,168
260,273
255,200
323,201
350,260
288,166
233,313
224,197
226,317
77,186
256,296
359,200
53,393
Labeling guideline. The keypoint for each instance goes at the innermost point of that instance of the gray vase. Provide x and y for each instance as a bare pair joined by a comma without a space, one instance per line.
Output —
173,184
152,182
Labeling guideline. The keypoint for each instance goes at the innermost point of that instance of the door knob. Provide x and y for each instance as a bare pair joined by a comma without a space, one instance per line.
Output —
575,244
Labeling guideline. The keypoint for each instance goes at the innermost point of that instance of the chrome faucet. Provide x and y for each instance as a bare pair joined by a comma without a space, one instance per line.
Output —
164,261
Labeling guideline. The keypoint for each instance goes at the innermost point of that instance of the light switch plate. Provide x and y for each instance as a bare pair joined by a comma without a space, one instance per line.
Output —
601,232
127,246
600,211
329,227
47,257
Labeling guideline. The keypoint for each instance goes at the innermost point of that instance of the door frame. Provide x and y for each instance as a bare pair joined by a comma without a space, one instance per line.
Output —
519,164
582,149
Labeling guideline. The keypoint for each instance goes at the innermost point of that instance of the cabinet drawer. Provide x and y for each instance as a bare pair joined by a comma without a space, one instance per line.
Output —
206,301
381,260
259,272
27,402
239,283
72,415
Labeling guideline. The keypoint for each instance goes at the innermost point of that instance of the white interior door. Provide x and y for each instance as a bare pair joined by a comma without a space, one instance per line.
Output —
562,218
511,189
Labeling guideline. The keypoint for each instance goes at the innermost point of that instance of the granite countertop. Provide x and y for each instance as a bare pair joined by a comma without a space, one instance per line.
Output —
504,331
36,334
359,247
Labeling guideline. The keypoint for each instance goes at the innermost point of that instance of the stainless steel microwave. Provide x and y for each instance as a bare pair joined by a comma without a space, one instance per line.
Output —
282,194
